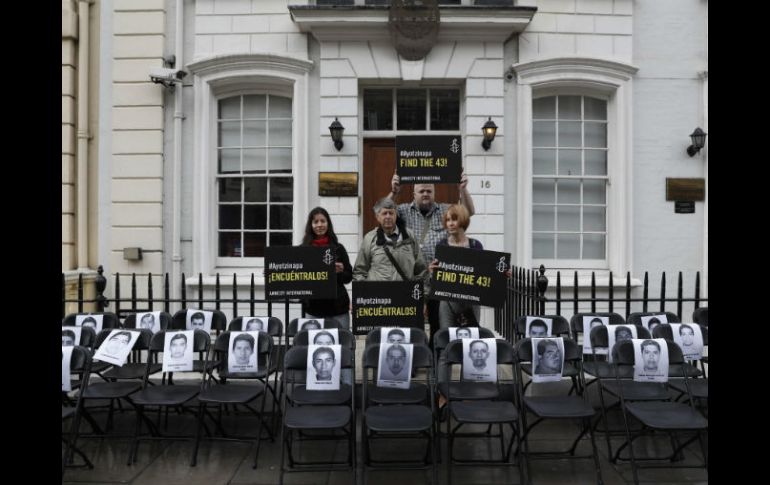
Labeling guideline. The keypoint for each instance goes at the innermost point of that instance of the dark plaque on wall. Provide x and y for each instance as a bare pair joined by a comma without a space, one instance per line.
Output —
685,189
684,207
433,159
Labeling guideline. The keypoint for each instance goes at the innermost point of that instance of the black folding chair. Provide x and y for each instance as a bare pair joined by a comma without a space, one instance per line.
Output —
699,388
109,321
392,413
559,328
80,364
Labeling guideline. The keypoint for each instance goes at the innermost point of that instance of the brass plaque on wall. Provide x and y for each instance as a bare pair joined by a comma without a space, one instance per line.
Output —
339,184
685,189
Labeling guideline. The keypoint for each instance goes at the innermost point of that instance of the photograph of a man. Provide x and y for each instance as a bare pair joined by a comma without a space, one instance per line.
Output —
199,319
538,327
177,351
68,338
395,365
323,367
255,324
242,357
116,347
93,321
690,339
651,321
310,324
480,359
458,333
150,321
323,337
549,357
395,335
651,362
589,322
618,333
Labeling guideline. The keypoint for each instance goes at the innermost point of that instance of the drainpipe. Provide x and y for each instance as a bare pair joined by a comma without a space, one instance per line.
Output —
176,175
82,134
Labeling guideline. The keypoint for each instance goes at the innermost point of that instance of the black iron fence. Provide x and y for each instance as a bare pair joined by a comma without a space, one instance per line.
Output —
529,294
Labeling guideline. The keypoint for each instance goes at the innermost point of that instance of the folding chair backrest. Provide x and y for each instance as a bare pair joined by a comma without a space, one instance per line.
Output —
263,348
165,320
600,335
636,318
142,343
422,358
201,341
559,325
291,330
454,352
572,351
576,322
87,337
347,339
109,320
81,359
665,331
274,326
416,336
701,316
441,338
623,353
296,358
218,319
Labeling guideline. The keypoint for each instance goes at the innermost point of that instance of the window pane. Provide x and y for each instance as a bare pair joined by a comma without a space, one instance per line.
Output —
229,216
544,162
593,246
280,216
569,107
568,246
230,108
596,162
544,108
595,109
568,192
569,162
444,109
543,218
544,191
280,133
569,134
255,216
410,109
255,189
378,109
567,218
594,192
594,218
229,134
230,244
596,134
254,160
280,239
255,244
230,190
281,189
254,106
544,133
280,160
542,246
280,107
229,160
254,133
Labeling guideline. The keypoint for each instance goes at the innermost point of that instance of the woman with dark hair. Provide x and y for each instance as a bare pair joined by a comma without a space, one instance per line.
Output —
319,232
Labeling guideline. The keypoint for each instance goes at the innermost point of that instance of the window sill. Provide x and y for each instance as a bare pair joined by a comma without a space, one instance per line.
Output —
584,279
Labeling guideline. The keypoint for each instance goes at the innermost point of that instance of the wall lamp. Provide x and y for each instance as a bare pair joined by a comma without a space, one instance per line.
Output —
489,129
698,141
336,130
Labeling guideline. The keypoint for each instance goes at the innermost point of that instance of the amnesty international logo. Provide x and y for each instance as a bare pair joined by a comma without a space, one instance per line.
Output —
454,147
416,293
501,265
328,258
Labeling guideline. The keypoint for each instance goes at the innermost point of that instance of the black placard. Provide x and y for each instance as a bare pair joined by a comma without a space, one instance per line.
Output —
386,304
305,272
433,159
470,276
684,207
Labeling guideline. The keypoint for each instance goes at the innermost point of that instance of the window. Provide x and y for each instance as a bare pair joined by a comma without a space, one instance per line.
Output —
435,109
254,174
569,178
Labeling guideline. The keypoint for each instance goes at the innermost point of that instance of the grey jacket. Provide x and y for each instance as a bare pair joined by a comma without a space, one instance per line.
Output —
373,264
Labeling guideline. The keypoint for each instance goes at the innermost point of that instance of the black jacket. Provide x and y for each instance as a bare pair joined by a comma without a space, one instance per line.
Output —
341,304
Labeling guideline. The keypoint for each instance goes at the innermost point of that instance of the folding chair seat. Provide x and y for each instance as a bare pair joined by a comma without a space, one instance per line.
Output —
166,395
109,321
243,392
487,412
559,407
403,415
668,417
316,413
80,363
461,389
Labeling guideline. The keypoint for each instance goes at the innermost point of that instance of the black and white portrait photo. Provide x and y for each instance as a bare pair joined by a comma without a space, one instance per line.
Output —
178,351
548,359
651,360
66,359
93,321
395,335
242,353
395,365
538,327
255,324
618,333
328,336
480,359
149,320
651,321
198,319
309,324
589,322
70,335
116,347
323,367
457,333
690,339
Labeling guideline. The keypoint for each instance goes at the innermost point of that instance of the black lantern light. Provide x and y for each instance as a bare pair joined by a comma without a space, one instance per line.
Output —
698,141
489,129
336,130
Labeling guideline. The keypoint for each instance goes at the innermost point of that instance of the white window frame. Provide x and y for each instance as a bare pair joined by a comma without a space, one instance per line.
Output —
219,77
584,77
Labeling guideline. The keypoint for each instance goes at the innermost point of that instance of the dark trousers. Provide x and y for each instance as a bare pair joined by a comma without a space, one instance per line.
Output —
433,316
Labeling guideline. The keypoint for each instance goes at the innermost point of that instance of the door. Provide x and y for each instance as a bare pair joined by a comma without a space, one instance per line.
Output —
379,166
